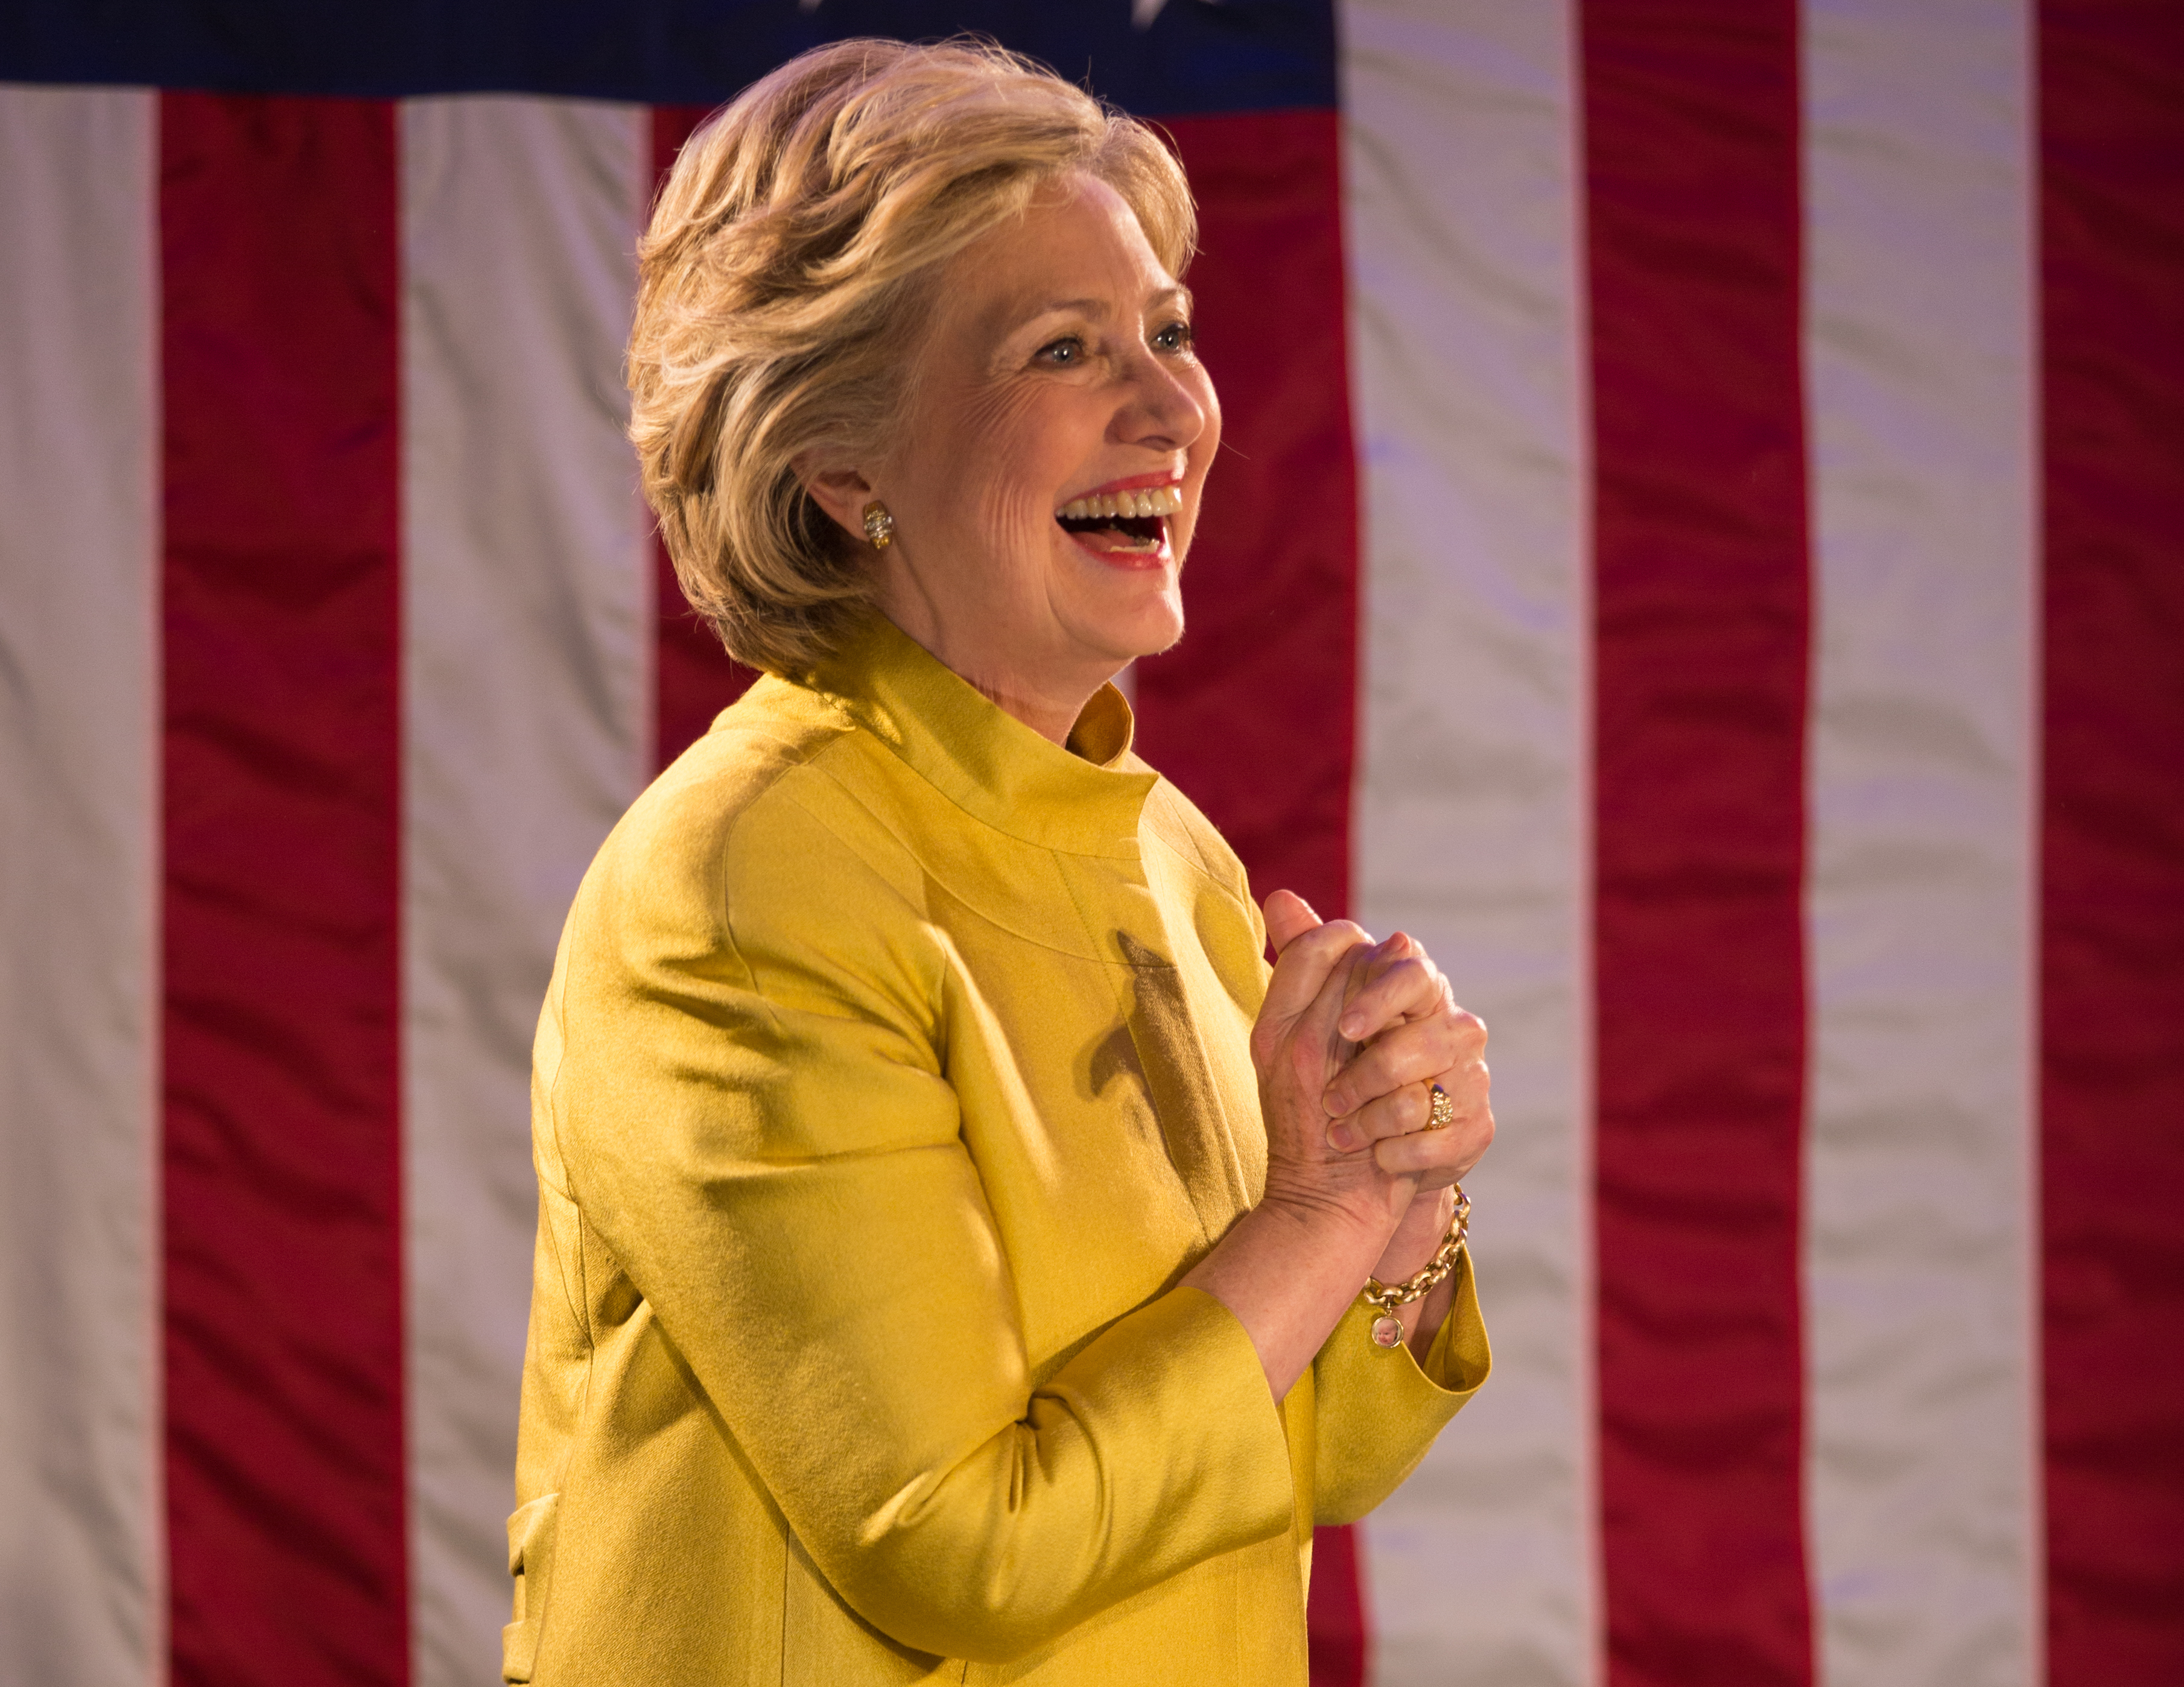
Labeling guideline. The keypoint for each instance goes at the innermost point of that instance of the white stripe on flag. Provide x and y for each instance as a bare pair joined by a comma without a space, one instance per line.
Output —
1921,1456
1462,183
80,1512
527,730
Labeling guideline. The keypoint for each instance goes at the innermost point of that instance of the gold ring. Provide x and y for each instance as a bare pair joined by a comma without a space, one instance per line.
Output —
1444,1109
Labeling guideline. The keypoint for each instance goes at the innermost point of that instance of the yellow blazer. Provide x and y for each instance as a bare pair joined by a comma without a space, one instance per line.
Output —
894,1068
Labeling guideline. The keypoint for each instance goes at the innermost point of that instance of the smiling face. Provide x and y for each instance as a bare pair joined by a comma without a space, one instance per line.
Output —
1045,481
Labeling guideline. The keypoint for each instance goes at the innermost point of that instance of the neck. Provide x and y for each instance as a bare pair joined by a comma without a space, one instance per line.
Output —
1048,702
1049,718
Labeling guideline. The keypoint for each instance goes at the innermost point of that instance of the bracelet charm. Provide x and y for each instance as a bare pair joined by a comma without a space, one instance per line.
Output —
1387,1328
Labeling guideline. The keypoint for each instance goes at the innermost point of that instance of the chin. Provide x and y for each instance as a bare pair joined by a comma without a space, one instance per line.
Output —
1128,612
1148,633
1170,635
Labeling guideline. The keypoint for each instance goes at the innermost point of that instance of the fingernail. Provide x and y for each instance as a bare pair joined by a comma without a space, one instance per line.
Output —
1352,1024
1335,1103
1342,1137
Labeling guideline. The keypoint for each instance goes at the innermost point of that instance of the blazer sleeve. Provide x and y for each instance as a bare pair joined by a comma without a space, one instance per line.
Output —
752,1107
1377,1410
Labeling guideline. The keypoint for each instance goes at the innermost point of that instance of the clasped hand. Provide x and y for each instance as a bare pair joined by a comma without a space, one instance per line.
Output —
1350,1041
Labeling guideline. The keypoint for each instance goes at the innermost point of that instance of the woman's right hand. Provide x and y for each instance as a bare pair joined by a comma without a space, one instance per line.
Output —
1297,1051
1291,1267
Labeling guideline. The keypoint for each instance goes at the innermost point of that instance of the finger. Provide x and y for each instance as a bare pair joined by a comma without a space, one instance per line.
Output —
1400,990
1289,916
1423,1049
1302,972
1315,1045
1437,1157
1408,1109
1387,953
1370,964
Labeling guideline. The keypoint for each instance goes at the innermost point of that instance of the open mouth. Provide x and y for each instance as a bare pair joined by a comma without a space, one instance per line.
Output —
1134,521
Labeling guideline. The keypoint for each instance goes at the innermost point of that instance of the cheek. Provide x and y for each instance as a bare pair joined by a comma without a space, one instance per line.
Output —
1017,450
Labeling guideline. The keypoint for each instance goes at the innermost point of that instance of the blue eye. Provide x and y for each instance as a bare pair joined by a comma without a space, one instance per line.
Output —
1066,352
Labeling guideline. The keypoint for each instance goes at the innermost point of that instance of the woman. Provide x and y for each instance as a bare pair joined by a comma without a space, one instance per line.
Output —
952,1235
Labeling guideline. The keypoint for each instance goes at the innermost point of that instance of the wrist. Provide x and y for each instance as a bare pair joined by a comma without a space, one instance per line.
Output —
1331,1229
1289,1269
1417,1236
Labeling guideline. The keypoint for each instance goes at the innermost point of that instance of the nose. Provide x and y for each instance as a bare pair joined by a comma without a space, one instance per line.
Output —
1159,410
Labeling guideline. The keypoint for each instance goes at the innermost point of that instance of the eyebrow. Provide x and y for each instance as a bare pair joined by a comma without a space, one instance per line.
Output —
1098,307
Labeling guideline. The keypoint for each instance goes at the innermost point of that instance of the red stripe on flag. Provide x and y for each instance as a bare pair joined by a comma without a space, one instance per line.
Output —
696,678
1691,158
1254,715
1340,1631
281,1158
2112,928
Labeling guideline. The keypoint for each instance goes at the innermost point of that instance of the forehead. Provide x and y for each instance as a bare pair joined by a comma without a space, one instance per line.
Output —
1079,245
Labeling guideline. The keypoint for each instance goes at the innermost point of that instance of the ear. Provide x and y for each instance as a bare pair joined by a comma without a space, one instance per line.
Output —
843,492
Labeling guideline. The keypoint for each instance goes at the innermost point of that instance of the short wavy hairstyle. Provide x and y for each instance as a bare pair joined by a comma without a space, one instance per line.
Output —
783,287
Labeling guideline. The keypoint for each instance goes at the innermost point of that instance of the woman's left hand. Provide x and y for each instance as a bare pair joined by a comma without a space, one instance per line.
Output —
1413,1037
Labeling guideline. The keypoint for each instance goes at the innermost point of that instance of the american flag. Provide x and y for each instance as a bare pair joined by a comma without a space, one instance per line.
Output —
1703,549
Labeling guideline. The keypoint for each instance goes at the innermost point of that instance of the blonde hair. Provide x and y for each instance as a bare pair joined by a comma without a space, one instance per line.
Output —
784,282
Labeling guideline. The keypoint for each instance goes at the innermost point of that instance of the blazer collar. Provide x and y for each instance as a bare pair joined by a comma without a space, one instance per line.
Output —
1086,799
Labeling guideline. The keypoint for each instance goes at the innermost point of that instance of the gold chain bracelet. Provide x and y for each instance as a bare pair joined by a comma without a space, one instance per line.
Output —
1387,1328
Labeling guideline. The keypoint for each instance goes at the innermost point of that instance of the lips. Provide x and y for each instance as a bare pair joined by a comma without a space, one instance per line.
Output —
1157,477
1125,521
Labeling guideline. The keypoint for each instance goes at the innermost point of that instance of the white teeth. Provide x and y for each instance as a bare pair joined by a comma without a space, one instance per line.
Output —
1166,500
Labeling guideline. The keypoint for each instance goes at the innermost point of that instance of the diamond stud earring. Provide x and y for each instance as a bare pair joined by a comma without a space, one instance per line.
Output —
879,525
